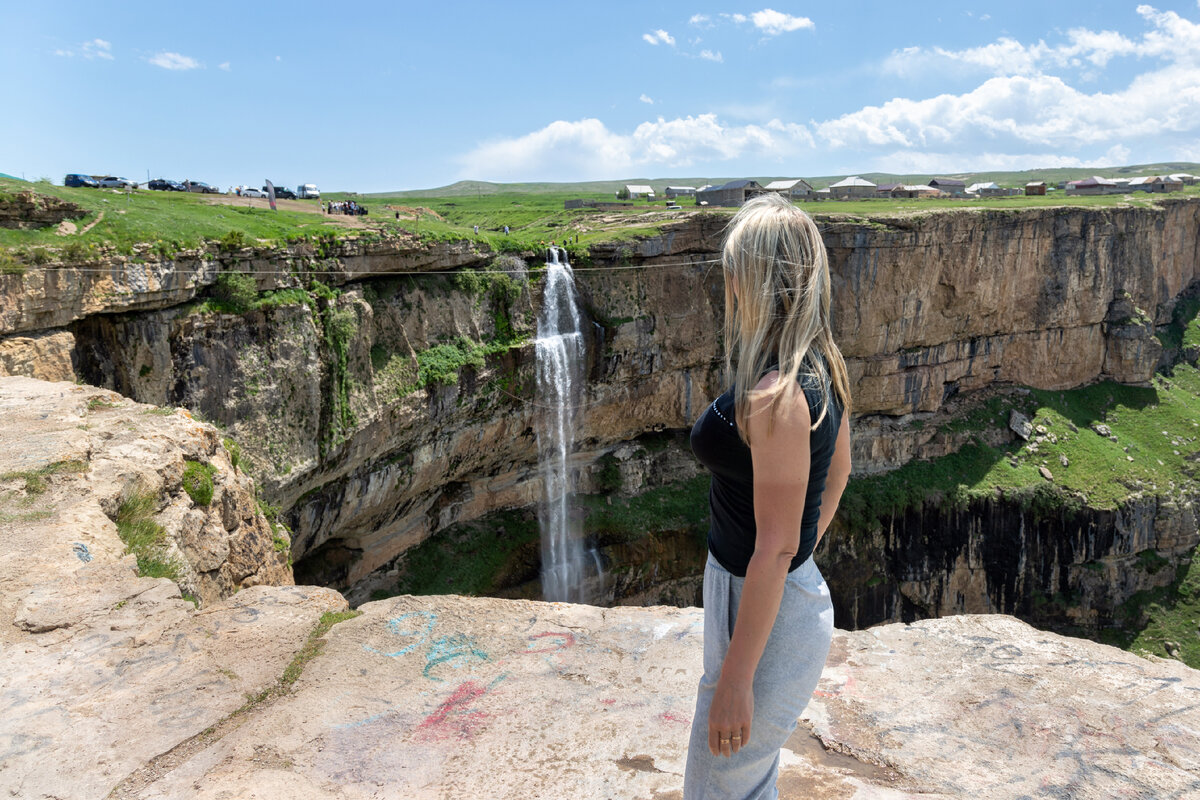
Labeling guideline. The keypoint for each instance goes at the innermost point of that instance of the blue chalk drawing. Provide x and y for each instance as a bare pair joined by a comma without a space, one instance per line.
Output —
82,551
415,625
454,650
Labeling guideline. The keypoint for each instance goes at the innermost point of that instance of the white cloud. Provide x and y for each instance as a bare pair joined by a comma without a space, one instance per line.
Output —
174,61
96,48
773,23
705,21
1016,112
1172,38
645,98
224,65
709,55
587,148
659,36
279,58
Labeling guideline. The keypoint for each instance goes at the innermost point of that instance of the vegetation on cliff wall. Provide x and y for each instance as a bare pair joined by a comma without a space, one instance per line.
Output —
1139,453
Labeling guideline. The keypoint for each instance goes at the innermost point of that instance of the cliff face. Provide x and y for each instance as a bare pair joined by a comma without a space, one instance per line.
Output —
323,392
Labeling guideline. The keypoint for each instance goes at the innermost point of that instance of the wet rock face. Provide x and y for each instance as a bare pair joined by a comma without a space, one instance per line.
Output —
1057,567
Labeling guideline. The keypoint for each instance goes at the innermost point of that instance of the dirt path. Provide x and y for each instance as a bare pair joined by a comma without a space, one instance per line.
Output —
307,206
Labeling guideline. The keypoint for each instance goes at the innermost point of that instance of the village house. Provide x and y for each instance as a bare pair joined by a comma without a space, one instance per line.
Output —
794,189
636,190
1185,179
1164,183
679,191
886,189
1093,185
852,187
986,189
1035,188
731,194
914,191
951,186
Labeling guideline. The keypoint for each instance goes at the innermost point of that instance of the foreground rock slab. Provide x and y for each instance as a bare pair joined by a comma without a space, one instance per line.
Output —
102,670
444,697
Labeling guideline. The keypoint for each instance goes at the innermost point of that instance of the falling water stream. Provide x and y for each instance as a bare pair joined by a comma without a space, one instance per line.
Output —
571,571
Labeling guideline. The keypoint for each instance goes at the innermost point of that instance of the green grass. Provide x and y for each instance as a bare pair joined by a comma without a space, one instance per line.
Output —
467,558
314,646
169,220
1099,473
197,481
35,479
144,537
1170,613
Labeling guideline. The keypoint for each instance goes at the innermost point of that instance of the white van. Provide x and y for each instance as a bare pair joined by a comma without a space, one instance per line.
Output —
308,191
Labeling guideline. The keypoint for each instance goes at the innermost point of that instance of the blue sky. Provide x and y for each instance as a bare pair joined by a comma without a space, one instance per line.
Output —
373,96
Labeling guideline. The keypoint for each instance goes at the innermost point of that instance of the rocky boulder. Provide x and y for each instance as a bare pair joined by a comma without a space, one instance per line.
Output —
78,464
31,210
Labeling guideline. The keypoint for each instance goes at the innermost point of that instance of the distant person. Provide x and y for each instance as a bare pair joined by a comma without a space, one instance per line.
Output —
506,230
778,445
476,230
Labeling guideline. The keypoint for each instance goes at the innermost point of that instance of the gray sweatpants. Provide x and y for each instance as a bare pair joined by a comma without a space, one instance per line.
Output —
787,674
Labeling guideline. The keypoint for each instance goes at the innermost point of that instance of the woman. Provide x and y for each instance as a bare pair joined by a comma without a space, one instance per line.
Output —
778,446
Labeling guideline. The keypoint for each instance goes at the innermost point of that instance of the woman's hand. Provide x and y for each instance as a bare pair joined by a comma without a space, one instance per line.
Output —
730,715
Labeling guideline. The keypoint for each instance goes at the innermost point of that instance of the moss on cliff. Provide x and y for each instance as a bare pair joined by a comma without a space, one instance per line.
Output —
1157,437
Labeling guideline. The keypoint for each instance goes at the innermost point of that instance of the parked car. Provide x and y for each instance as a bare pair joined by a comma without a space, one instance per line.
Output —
79,179
201,187
308,191
113,182
282,193
164,185
250,191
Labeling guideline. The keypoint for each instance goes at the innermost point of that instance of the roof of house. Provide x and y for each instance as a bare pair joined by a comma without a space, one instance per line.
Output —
740,184
680,189
853,180
975,187
1036,183
1095,180
1166,179
788,184
920,187
1140,181
1182,176
947,182
639,189
887,187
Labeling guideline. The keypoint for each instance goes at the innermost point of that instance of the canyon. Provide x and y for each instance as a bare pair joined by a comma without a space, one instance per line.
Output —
381,391
113,684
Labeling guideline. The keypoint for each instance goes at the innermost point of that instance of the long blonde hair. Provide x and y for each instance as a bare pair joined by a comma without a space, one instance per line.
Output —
775,259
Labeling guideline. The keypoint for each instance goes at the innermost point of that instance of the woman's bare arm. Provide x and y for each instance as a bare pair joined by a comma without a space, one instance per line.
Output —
781,465
835,481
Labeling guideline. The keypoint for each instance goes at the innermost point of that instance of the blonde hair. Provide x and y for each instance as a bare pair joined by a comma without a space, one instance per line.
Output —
775,258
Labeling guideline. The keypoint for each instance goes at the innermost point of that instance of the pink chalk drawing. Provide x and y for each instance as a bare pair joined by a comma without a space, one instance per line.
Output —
559,641
455,718
672,717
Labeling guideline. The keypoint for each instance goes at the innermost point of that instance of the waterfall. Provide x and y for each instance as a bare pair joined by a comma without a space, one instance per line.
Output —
570,569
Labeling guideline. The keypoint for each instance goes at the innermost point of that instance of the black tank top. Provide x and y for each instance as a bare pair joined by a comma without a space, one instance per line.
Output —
716,443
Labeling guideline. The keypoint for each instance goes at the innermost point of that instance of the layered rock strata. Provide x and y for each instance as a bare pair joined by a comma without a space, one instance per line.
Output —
926,307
